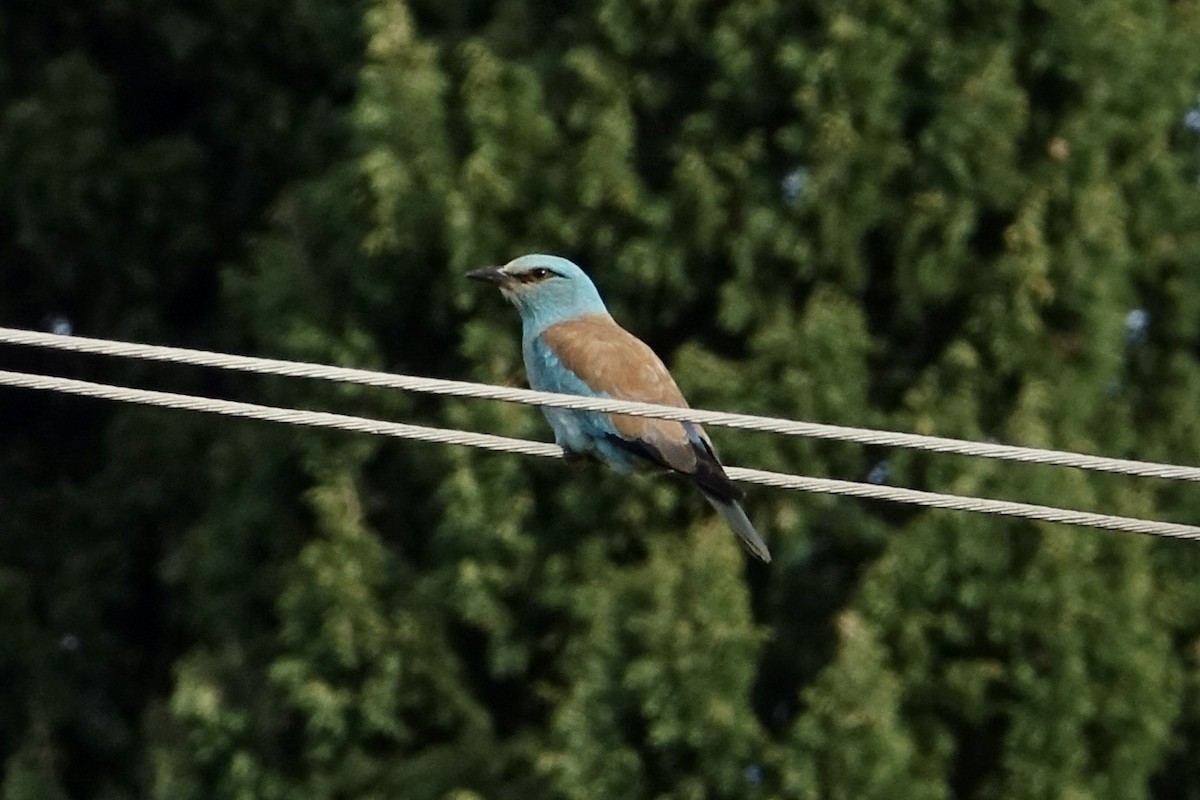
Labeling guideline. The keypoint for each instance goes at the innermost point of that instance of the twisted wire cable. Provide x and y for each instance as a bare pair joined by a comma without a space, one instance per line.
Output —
271,366
324,419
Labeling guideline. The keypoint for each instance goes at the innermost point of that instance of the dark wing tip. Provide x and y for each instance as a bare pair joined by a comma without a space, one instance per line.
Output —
710,475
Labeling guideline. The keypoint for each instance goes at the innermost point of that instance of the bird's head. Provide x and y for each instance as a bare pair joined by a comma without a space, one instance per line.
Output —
545,289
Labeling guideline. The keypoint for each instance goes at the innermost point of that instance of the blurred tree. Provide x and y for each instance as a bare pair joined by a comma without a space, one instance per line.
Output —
139,143
970,219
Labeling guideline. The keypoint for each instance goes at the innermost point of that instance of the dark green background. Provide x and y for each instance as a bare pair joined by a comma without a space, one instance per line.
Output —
933,216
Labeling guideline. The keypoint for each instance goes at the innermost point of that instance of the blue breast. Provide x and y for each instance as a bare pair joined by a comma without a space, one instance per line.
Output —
583,432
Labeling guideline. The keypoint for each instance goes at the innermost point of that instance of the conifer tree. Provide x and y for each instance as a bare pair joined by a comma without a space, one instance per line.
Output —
975,220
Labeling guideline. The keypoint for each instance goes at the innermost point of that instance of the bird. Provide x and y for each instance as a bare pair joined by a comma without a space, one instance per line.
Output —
572,345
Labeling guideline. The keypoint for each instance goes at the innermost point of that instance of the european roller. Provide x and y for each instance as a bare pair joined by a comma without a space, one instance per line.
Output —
572,345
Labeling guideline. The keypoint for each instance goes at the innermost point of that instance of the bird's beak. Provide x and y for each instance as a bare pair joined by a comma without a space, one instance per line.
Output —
493,275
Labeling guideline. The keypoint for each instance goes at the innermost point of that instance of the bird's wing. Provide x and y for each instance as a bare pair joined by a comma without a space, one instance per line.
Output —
613,362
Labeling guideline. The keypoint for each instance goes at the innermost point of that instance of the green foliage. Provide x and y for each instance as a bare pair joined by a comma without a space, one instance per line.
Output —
933,217
658,678
853,741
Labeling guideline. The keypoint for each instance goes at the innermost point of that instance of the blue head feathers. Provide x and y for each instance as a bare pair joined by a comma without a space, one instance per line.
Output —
545,289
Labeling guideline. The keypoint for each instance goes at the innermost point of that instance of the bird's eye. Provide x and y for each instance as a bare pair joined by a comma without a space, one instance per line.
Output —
540,272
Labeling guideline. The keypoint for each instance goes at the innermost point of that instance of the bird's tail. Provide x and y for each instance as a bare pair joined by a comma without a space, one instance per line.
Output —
736,518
